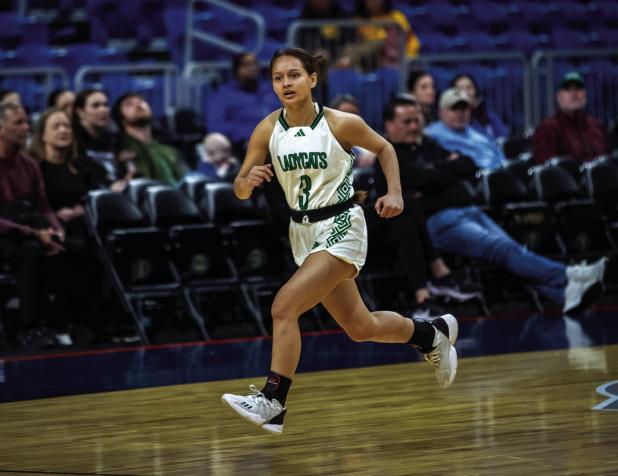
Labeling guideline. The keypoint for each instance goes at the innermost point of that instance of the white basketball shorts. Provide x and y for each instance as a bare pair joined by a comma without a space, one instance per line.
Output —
343,236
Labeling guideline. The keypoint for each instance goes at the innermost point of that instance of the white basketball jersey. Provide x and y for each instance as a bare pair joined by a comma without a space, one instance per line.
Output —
311,166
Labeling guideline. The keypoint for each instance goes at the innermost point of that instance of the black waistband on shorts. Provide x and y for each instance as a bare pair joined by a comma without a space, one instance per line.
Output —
320,214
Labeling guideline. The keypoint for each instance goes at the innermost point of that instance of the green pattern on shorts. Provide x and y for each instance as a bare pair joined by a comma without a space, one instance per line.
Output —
341,225
315,245
345,187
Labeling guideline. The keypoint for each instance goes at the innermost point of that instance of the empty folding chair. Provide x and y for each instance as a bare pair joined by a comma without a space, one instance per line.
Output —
528,221
257,247
579,222
221,205
135,256
136,188
601,181
197,252
193,186
570,165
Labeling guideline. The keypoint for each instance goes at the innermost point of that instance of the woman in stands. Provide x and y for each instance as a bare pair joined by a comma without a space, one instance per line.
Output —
310,150
94,142
67,181
62,98
484,120
422,86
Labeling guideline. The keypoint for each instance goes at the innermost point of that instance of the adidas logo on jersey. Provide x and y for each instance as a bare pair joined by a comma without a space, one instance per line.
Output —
300,133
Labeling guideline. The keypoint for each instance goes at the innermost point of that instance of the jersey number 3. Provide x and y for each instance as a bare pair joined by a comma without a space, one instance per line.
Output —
305,188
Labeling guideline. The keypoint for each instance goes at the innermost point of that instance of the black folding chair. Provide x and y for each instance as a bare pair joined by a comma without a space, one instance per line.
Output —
134,255
258,248
197,250
579,222
528,221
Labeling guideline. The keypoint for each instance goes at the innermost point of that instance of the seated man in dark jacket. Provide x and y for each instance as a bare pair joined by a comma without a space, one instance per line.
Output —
457,226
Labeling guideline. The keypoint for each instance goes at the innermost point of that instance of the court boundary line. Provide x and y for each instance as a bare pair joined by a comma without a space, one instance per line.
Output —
601,389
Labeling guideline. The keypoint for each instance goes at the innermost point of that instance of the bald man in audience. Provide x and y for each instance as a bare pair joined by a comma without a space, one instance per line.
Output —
217,161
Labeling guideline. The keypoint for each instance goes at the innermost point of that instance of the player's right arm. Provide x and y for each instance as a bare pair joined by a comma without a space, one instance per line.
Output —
253,171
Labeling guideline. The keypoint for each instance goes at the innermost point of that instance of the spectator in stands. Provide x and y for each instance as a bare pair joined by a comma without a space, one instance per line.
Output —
9,96
407,234
150,158
216,159
30,233
457,226
422,86
348,103
484,120
386,39
242,103
94,140
570,132
67,180
328,39
62,98
454,133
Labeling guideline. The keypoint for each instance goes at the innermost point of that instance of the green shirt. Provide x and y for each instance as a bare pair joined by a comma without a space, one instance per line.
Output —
154,160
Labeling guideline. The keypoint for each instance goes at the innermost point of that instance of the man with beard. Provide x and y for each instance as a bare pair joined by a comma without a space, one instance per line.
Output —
150,158
236,107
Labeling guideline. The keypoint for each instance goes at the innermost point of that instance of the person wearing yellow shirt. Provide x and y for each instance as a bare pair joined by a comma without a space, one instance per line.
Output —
387,37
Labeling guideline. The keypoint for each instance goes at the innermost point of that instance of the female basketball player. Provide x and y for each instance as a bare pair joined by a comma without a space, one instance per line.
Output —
309,146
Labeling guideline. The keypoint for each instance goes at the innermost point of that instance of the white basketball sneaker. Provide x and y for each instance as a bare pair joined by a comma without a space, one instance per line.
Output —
258,409
443,355
584,285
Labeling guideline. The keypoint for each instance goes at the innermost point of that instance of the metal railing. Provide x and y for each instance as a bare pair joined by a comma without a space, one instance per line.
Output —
199,79
358,67
598,66
192,33
309,34
34,83
503,77
148,78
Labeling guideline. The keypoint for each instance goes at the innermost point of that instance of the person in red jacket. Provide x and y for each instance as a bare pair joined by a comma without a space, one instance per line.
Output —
570,132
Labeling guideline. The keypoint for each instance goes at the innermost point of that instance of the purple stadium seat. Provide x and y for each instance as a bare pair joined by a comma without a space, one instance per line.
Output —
33,55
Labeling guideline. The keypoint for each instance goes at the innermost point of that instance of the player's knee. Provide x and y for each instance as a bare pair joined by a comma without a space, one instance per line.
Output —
282,311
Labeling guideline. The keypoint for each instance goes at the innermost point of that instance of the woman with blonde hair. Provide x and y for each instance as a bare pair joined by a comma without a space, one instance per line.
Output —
67,178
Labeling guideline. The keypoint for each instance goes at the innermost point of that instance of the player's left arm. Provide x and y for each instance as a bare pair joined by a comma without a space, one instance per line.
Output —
351,130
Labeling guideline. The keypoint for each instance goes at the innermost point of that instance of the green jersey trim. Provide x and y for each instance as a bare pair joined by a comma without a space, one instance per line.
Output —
283,122
341,226
318,117
315,122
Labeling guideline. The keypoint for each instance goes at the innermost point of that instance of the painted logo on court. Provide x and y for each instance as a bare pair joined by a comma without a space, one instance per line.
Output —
609,390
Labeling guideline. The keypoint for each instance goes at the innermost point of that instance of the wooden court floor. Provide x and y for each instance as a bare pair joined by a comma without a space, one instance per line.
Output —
515,414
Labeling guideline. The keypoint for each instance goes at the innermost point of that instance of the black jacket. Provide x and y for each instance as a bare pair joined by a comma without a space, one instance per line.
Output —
425,169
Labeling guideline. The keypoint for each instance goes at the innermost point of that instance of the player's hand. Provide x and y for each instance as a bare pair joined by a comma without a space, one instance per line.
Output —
258,174
389,206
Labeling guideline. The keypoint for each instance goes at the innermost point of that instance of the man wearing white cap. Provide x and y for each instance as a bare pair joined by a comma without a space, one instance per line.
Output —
453,131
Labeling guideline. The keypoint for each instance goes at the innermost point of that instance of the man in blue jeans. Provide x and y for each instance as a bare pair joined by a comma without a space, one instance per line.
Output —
455,225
